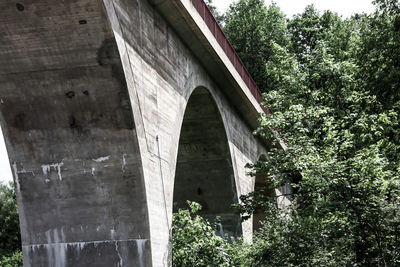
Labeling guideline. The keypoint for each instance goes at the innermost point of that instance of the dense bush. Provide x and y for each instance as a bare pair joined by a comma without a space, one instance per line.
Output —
13,260
195,242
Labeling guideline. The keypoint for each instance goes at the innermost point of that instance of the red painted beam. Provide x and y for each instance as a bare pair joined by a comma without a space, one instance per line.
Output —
219,35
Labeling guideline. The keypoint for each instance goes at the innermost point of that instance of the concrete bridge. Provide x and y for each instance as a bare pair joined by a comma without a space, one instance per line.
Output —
115,113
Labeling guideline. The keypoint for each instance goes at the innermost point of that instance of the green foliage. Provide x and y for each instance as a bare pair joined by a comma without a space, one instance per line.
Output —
253,29
10,239
310,28
195,242
14,260
335,101
379,53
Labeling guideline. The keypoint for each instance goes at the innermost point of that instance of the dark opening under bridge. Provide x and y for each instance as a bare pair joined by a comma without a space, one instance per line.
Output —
114,114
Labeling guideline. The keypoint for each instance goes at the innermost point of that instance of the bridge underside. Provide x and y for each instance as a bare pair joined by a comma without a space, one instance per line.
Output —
204,172
92,99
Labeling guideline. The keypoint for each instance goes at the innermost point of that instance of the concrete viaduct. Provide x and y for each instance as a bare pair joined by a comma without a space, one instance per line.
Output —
114,113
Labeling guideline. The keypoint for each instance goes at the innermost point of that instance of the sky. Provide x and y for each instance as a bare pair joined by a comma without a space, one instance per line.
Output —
5,172
289,7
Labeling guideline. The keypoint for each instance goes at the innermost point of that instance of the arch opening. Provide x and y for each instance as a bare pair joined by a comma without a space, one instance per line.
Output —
204,172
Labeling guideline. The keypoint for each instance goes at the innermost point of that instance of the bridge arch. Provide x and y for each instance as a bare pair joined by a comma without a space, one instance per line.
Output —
204,171
92,128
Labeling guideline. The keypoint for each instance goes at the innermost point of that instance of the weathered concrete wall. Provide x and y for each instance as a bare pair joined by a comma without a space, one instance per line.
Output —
93,96
70,135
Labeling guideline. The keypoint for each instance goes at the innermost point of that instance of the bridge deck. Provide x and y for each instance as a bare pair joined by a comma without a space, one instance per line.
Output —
219,35
196,26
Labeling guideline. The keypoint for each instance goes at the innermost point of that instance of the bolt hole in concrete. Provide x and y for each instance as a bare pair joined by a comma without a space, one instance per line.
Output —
70,94
86,92
82,21
72,122
20,7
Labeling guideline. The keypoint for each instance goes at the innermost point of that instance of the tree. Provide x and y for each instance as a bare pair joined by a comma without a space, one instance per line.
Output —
252,30
10,238
379,53
310,28
339,135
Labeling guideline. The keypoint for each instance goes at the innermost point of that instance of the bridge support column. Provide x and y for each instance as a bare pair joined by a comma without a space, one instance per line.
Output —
71,137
